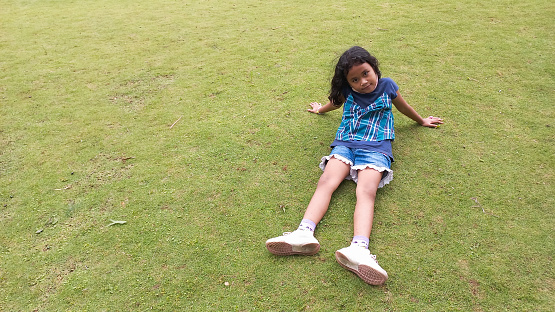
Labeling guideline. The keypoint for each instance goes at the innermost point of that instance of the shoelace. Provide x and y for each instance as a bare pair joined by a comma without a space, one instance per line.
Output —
374,257
288,233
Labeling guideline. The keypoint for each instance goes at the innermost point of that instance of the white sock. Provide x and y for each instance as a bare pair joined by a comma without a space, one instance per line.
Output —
307,225
360,241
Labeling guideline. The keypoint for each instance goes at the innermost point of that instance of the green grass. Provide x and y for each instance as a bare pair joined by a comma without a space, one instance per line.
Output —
89,91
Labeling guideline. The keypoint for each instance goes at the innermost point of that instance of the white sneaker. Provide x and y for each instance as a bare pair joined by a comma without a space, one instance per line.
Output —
294,243
359,261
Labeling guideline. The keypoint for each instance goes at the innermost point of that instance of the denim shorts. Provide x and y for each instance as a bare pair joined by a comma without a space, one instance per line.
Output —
360,159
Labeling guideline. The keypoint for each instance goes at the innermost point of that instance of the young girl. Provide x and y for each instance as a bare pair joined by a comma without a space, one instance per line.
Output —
361,152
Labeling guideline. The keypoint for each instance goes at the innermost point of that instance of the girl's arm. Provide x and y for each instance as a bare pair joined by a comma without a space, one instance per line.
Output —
407,110
317,108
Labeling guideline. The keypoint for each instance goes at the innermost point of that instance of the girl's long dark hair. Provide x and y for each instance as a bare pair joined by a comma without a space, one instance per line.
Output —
353,56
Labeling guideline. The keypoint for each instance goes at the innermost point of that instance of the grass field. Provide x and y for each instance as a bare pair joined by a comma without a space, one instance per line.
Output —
187,120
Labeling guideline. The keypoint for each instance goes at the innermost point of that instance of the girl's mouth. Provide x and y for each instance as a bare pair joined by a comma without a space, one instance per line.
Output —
366,88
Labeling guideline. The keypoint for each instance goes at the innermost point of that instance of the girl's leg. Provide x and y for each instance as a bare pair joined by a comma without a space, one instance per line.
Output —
367,186
356,258
302,242
335,172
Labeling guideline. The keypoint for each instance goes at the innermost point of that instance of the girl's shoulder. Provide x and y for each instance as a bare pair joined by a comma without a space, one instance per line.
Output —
387,85
387,81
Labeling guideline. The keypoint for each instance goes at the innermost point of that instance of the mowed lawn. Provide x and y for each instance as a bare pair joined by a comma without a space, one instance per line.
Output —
149,148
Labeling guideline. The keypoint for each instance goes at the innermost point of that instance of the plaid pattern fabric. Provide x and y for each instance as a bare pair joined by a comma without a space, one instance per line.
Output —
371,123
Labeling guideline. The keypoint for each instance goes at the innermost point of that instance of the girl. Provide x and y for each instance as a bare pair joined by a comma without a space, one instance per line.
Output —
361,152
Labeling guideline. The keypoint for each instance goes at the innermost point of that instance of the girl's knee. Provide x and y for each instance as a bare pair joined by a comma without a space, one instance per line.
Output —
367,191
367,188
329,181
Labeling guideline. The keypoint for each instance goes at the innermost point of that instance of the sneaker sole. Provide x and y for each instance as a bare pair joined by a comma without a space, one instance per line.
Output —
368,274
285,249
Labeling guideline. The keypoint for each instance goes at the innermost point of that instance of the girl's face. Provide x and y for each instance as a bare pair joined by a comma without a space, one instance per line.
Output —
362,78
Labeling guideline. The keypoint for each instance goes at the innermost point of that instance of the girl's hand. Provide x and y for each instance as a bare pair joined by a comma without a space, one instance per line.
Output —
432,122
315,108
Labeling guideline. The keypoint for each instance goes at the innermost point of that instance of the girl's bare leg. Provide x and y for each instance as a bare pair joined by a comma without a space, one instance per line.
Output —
357,258
367,186
334,173
302,242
